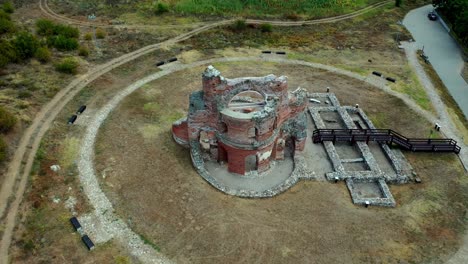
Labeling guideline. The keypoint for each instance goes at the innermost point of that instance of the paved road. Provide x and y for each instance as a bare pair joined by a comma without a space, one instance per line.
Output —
444,54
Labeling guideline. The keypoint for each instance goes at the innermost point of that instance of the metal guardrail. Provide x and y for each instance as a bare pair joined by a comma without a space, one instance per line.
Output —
387,136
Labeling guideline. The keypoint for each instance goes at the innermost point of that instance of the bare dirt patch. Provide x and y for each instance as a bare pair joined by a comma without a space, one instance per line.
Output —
151,182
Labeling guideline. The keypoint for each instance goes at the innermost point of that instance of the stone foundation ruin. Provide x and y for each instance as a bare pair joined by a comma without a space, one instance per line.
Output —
244,122
247,137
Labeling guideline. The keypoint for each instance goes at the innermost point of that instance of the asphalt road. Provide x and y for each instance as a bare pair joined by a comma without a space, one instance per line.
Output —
444,53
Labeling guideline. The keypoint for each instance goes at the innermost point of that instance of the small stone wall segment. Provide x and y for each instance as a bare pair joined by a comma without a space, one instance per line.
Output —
352,160
402,175
330,97
387,200
374,174
358,175
329,147
362,146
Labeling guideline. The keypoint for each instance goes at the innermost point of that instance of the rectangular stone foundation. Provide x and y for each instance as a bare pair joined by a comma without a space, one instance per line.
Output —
355,176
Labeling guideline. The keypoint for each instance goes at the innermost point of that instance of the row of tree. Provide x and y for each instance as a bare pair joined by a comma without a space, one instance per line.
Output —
456,12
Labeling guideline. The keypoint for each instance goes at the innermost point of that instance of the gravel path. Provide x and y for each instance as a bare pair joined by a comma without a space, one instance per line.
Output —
443,118
104,211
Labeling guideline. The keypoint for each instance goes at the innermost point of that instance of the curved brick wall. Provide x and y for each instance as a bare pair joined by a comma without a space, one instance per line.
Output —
232,135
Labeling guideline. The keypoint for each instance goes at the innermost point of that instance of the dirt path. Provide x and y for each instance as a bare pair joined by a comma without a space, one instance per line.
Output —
14,185
50,13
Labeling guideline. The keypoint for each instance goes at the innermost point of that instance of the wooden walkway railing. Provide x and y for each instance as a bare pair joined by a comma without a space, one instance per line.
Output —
386,136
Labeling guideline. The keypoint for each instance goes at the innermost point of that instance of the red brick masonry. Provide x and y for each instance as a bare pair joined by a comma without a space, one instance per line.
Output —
246,122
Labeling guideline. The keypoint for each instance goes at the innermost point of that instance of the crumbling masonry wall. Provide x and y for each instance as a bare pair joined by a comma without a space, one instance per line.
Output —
244,122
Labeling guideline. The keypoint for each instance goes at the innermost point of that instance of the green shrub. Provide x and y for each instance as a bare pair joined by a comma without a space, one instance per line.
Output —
3,61
67,65
66,31
24,94
266,27
4,15
7,120
7,53
88,36
160,8
239,25
45,27
63,43
292,16
83,51
397,3
3,149
8,7
100,33
25,44
6,25
43,54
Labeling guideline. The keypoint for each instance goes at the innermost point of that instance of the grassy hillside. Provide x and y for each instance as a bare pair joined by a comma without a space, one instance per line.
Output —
267,7
293,9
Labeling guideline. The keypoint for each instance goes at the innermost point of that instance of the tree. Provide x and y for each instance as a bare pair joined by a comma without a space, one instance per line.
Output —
8,7
6,25
25,44
7,53
266,27
43,54
100,33
7,120
67,65
63,43
239,25
83,51
3,149
160,8
112,2
397,3
438,3
45,27
456,12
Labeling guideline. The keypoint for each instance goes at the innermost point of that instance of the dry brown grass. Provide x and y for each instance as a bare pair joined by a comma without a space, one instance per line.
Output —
151,181
44,234
464,72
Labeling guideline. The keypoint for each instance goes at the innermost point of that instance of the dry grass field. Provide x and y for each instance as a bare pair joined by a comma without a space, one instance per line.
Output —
154,188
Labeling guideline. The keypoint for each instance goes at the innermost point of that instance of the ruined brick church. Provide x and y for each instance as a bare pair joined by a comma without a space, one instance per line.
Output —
243,122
